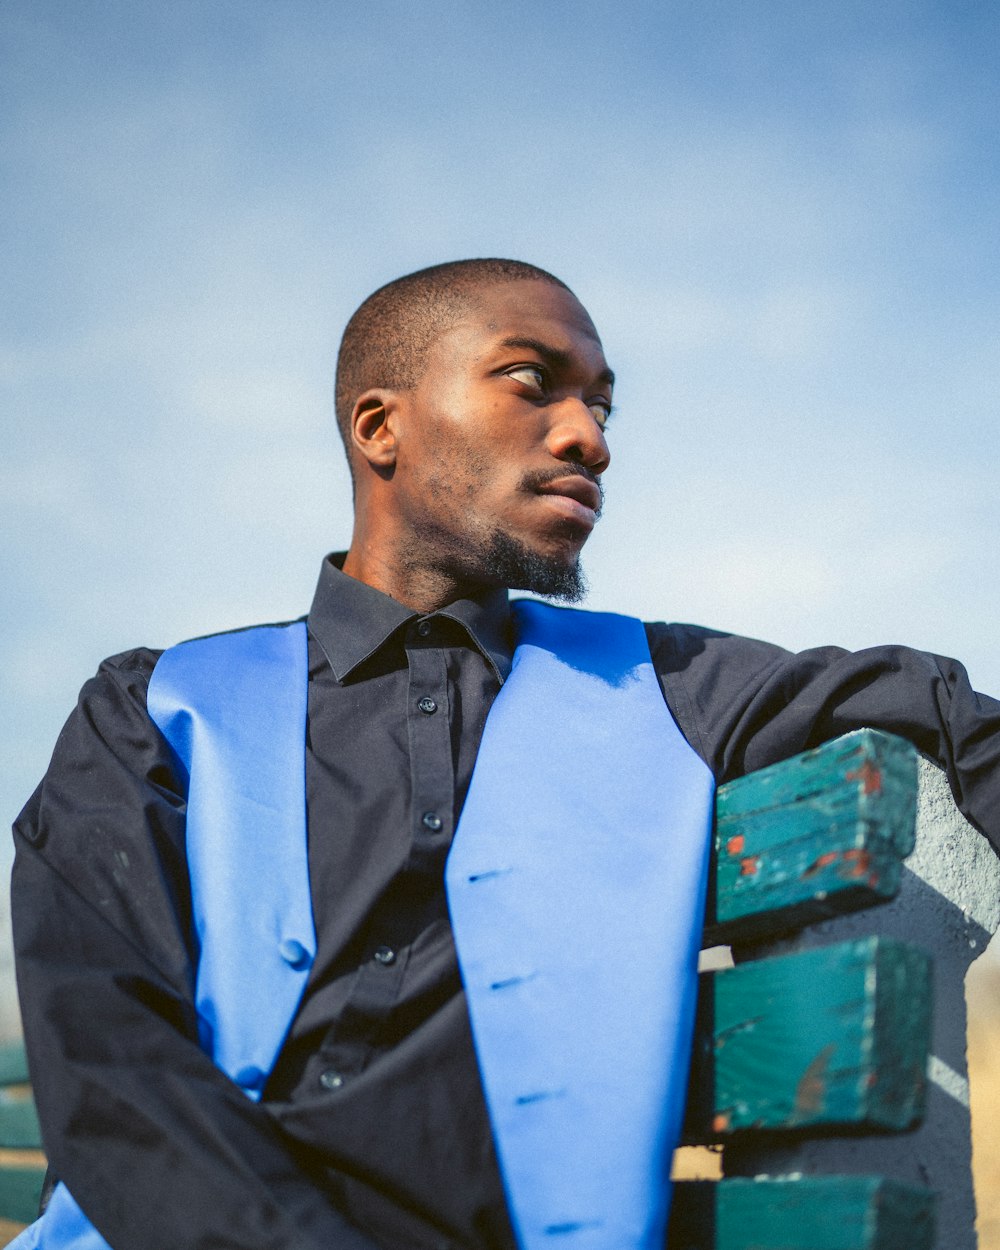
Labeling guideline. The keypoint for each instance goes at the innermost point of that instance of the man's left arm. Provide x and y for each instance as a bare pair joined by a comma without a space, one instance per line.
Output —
744,704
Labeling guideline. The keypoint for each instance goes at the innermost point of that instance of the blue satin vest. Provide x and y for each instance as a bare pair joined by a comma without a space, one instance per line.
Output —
575,884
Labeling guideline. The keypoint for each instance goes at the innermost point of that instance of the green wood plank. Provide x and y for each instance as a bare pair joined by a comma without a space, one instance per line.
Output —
19,1129
826,1038
13,1064
816,835
807,1213
20,1193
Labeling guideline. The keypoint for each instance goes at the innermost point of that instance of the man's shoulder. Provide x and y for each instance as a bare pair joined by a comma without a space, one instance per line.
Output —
122,679
140,661
137,661
677,646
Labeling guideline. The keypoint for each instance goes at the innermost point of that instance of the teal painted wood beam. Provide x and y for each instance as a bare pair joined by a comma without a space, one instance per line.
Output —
812,837
20,1193
19,1127
13,1064
834,1037
805,1213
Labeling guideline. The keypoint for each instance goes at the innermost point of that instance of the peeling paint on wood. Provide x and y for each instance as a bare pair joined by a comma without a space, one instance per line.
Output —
814,836
834,1037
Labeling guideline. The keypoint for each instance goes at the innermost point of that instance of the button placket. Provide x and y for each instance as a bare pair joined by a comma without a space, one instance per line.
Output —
432,776
349,1043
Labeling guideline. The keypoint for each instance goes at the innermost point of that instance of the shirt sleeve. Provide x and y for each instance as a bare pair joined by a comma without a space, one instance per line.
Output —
744,704
156,1144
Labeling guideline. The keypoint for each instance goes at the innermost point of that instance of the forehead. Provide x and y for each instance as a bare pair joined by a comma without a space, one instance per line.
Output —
523,310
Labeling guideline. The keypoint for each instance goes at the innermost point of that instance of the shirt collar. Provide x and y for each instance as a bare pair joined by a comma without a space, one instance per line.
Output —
351,620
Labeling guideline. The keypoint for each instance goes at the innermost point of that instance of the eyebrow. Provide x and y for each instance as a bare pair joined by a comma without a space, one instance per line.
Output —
553,356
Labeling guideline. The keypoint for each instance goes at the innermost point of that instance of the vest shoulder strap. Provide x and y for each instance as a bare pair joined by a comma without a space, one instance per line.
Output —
233,708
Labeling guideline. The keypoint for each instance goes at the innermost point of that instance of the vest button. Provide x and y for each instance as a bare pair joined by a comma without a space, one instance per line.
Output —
385,955
431,821
331,1079
427,706
249,1077
293,953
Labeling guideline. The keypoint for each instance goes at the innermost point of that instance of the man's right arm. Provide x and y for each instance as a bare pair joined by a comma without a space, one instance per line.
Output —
155,1143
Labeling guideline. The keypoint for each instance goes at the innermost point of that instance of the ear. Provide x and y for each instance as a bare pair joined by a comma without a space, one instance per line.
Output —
373,427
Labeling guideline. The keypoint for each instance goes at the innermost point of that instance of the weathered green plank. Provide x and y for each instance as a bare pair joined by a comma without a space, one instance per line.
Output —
19,1129
832,1037
20,1193
816,835
807,1213
13,1064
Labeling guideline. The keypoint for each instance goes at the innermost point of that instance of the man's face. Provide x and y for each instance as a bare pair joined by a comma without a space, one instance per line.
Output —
502,443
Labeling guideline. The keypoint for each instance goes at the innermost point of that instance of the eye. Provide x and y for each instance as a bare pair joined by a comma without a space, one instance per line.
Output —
602,410
530,375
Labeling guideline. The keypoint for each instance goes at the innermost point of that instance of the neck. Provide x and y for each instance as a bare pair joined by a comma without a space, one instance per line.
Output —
417,586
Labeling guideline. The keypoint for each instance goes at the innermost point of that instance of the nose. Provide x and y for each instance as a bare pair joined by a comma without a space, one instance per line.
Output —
575,435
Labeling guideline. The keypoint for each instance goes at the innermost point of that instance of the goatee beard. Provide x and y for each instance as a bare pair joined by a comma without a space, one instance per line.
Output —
510,563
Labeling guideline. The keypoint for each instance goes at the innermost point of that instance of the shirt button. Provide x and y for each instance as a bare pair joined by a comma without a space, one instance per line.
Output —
431,821
427,706
423,629
331,1079
385,955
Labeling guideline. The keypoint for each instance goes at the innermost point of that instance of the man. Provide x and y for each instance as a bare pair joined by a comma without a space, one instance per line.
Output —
472,399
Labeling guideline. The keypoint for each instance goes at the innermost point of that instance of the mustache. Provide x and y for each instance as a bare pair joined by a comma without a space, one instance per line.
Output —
535,481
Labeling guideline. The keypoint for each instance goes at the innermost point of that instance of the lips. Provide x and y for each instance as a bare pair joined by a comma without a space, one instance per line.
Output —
576,487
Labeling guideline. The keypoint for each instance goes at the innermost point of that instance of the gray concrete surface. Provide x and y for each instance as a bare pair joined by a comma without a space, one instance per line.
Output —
10,1019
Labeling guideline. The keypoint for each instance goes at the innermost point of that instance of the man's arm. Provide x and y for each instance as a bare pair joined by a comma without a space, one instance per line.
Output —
156,1144
744,704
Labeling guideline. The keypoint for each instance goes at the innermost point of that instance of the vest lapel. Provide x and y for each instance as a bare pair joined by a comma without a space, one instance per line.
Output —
576,887
233,707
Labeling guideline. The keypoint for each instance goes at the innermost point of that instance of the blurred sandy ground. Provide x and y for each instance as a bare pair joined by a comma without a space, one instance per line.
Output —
982,988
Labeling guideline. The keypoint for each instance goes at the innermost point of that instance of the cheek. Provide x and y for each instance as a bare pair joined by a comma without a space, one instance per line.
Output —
472,447
464,458
460,471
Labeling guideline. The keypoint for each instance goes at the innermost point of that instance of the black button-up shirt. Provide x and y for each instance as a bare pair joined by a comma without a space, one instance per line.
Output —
372,1130
397,704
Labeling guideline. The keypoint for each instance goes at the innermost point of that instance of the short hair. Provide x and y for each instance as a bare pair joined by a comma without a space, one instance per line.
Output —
387,340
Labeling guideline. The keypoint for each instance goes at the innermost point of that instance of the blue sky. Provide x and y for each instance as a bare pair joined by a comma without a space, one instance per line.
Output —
781,217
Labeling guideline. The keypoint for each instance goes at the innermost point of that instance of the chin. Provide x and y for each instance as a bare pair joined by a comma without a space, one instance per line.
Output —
556,575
